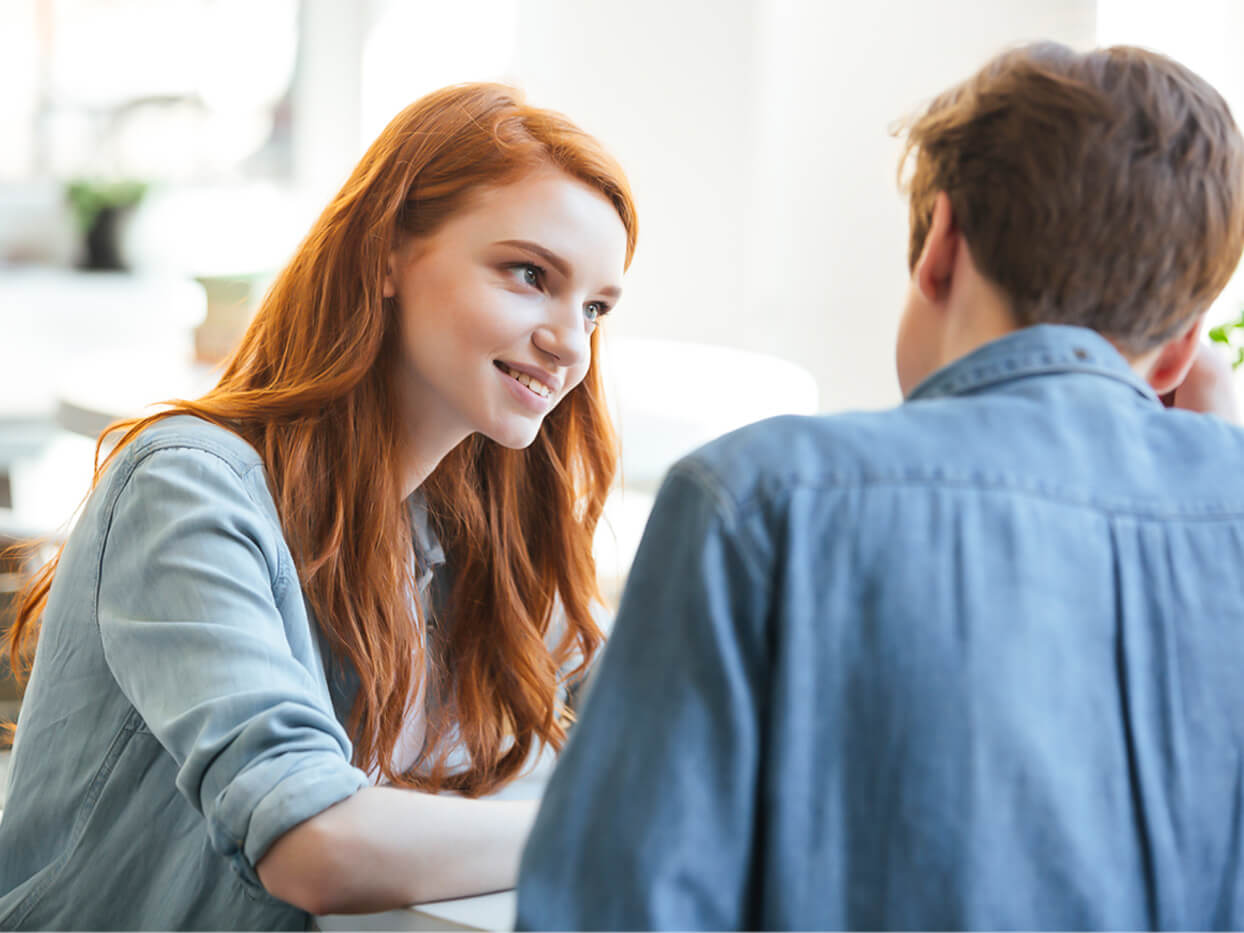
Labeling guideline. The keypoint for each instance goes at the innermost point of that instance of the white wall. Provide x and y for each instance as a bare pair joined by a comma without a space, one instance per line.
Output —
327,140
669,88
828,292
755,133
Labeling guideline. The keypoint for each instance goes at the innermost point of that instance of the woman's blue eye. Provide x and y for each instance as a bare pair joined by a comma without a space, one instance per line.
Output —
528,273
594,311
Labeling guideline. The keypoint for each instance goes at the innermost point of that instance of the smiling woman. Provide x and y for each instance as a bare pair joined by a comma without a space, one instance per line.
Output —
355,574
498,306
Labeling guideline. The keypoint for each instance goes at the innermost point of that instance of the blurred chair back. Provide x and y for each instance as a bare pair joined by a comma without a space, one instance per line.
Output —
45,487
14,571
667,398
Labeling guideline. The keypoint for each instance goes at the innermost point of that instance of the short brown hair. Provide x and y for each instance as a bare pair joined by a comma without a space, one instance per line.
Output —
1104,189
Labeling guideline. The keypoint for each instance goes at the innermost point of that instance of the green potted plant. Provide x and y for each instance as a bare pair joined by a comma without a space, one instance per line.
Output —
100,209
1231,334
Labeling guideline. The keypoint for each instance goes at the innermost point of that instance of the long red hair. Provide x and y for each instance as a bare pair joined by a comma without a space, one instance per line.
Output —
311,388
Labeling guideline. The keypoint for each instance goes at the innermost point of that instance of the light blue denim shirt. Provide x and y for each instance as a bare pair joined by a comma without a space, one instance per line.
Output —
179,717
974,662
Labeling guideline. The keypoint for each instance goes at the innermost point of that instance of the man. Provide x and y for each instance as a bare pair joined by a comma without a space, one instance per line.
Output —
975,662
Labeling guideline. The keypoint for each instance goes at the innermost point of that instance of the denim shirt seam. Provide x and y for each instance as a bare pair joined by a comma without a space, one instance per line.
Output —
728,509
280,579
1040,491
144,445
130,727
988,376
285,575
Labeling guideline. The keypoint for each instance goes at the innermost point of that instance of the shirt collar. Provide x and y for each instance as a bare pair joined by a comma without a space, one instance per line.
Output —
1032,351
427,545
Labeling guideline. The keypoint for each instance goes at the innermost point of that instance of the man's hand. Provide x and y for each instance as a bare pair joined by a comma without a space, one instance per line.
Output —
1208,387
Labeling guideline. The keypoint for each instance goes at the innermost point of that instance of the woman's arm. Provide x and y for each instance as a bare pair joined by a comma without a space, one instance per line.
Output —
385,848
191,585
189,615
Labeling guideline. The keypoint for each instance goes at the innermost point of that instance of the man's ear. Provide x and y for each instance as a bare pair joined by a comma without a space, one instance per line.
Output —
1174,358
936,265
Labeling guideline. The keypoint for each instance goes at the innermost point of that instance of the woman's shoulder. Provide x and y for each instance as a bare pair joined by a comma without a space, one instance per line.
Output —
184,458
191,433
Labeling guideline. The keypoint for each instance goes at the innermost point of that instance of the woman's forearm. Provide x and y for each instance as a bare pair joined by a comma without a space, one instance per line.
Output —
384,848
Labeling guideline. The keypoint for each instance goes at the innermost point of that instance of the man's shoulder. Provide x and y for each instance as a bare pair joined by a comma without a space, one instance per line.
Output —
1121,456
830,449
828,441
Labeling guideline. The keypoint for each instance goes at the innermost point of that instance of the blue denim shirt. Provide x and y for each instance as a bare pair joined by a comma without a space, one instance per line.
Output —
179,717
974,662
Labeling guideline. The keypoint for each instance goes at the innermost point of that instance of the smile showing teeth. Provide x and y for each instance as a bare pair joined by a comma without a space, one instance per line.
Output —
535,385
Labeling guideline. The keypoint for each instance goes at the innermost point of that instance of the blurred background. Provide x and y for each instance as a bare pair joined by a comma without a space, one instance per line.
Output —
160,159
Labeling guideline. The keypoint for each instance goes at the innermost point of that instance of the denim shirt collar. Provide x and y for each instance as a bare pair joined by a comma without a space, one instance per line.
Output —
1042,349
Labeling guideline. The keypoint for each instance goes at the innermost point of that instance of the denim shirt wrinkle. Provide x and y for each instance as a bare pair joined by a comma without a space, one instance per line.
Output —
969,663
179,717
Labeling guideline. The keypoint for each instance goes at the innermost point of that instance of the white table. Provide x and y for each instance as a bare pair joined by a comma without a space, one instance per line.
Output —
100,392
56,325
483,912
55,321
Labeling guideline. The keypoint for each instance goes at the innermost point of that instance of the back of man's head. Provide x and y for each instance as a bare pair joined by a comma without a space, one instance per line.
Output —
1103,189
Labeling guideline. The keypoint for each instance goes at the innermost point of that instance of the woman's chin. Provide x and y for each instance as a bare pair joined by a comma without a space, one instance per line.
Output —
515,437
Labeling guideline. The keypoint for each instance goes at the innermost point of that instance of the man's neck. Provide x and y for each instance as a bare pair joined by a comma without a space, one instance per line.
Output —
979,316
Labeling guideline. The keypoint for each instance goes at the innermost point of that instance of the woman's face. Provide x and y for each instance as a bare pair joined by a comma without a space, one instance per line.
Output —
497,307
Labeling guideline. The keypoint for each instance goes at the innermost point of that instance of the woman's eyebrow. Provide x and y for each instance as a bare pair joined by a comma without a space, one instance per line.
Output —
546,254
611,292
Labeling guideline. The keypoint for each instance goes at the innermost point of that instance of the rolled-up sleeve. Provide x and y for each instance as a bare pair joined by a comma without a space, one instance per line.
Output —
190,577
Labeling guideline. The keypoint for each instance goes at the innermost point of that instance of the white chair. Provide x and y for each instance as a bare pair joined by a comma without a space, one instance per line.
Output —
669,397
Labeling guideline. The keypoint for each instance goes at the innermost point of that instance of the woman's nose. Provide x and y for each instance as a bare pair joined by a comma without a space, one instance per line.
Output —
564,339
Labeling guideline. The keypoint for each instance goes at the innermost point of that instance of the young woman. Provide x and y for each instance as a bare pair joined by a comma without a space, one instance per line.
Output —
297,610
